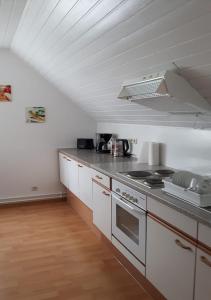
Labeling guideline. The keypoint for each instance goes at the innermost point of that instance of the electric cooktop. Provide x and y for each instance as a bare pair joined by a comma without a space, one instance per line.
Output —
149,178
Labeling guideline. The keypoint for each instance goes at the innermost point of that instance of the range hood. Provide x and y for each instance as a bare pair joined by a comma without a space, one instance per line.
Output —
165,91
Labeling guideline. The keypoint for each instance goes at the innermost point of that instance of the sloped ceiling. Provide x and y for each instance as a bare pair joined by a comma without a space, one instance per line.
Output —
88,48
10,15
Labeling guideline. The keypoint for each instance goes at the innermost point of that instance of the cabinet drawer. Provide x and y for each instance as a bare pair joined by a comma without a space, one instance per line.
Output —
101,178
204,235
173,217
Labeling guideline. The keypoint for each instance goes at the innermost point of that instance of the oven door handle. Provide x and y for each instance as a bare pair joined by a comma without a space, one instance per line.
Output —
123,201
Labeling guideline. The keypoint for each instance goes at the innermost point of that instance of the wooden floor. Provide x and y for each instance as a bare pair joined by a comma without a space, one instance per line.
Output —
48,252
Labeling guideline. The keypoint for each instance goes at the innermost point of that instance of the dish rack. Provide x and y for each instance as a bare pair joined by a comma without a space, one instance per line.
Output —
202,200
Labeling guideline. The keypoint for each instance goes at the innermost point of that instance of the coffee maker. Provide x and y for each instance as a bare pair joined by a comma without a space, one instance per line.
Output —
102,140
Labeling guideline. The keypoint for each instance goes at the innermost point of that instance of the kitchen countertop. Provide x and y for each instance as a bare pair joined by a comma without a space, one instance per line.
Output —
110,166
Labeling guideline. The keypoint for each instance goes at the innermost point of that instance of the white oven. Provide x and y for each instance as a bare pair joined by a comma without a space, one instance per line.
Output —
129,220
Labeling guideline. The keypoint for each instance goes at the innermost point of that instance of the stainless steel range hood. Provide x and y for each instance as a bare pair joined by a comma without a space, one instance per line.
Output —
165,91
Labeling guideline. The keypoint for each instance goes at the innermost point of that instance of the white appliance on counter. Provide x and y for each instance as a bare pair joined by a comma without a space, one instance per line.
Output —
186,194
129,220
190,187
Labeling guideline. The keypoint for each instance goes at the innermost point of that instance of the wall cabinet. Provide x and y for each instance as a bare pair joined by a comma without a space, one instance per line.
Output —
203,276
64,164
170,262
102,209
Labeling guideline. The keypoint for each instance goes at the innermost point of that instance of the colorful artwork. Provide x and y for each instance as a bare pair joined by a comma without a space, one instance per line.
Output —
5,93
35,114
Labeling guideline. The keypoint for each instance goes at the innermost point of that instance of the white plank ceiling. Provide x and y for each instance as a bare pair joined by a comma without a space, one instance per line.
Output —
87,48
10,15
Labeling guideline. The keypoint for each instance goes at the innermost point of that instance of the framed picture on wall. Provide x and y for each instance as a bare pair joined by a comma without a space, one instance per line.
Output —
36,114
5,93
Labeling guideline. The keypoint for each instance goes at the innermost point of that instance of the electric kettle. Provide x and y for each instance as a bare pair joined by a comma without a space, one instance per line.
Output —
122,148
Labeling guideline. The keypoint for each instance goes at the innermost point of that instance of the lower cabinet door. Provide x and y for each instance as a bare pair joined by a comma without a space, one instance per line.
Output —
64,163
85,184
73,184
203,276
102,209
170,262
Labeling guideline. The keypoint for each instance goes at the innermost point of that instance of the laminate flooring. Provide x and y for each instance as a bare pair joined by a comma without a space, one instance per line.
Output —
48,252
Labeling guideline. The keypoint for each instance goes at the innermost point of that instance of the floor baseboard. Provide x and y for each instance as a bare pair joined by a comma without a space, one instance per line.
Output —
43,197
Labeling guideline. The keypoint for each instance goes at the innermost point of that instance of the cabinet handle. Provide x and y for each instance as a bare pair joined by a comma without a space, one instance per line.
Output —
106,194
180,244
98,177
206,261
80,166
66,158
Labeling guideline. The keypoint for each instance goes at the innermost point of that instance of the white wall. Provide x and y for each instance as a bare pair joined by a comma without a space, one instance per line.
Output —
182,148
28,152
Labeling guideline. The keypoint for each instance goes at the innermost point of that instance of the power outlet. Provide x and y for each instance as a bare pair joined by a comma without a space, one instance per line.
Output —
133,141
34,188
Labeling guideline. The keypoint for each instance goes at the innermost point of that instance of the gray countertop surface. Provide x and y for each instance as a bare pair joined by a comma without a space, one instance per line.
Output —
110,166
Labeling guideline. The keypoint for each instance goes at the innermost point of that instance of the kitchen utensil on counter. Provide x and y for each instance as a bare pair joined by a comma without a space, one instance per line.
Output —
194,197
120,147
184,178
102,140
193,184
85,144
115,147
191,187
153,154
203,185
124,147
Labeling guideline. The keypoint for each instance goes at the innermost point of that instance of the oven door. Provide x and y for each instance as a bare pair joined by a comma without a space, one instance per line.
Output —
129,226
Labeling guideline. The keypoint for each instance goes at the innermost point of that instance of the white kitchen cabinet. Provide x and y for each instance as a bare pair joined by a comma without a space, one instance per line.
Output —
73,184
64,163
102,209
203,276
101,178
173,217
170,262
85,184
204,235
69,173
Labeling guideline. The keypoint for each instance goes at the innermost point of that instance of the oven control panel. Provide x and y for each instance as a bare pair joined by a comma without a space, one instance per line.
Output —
129,194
